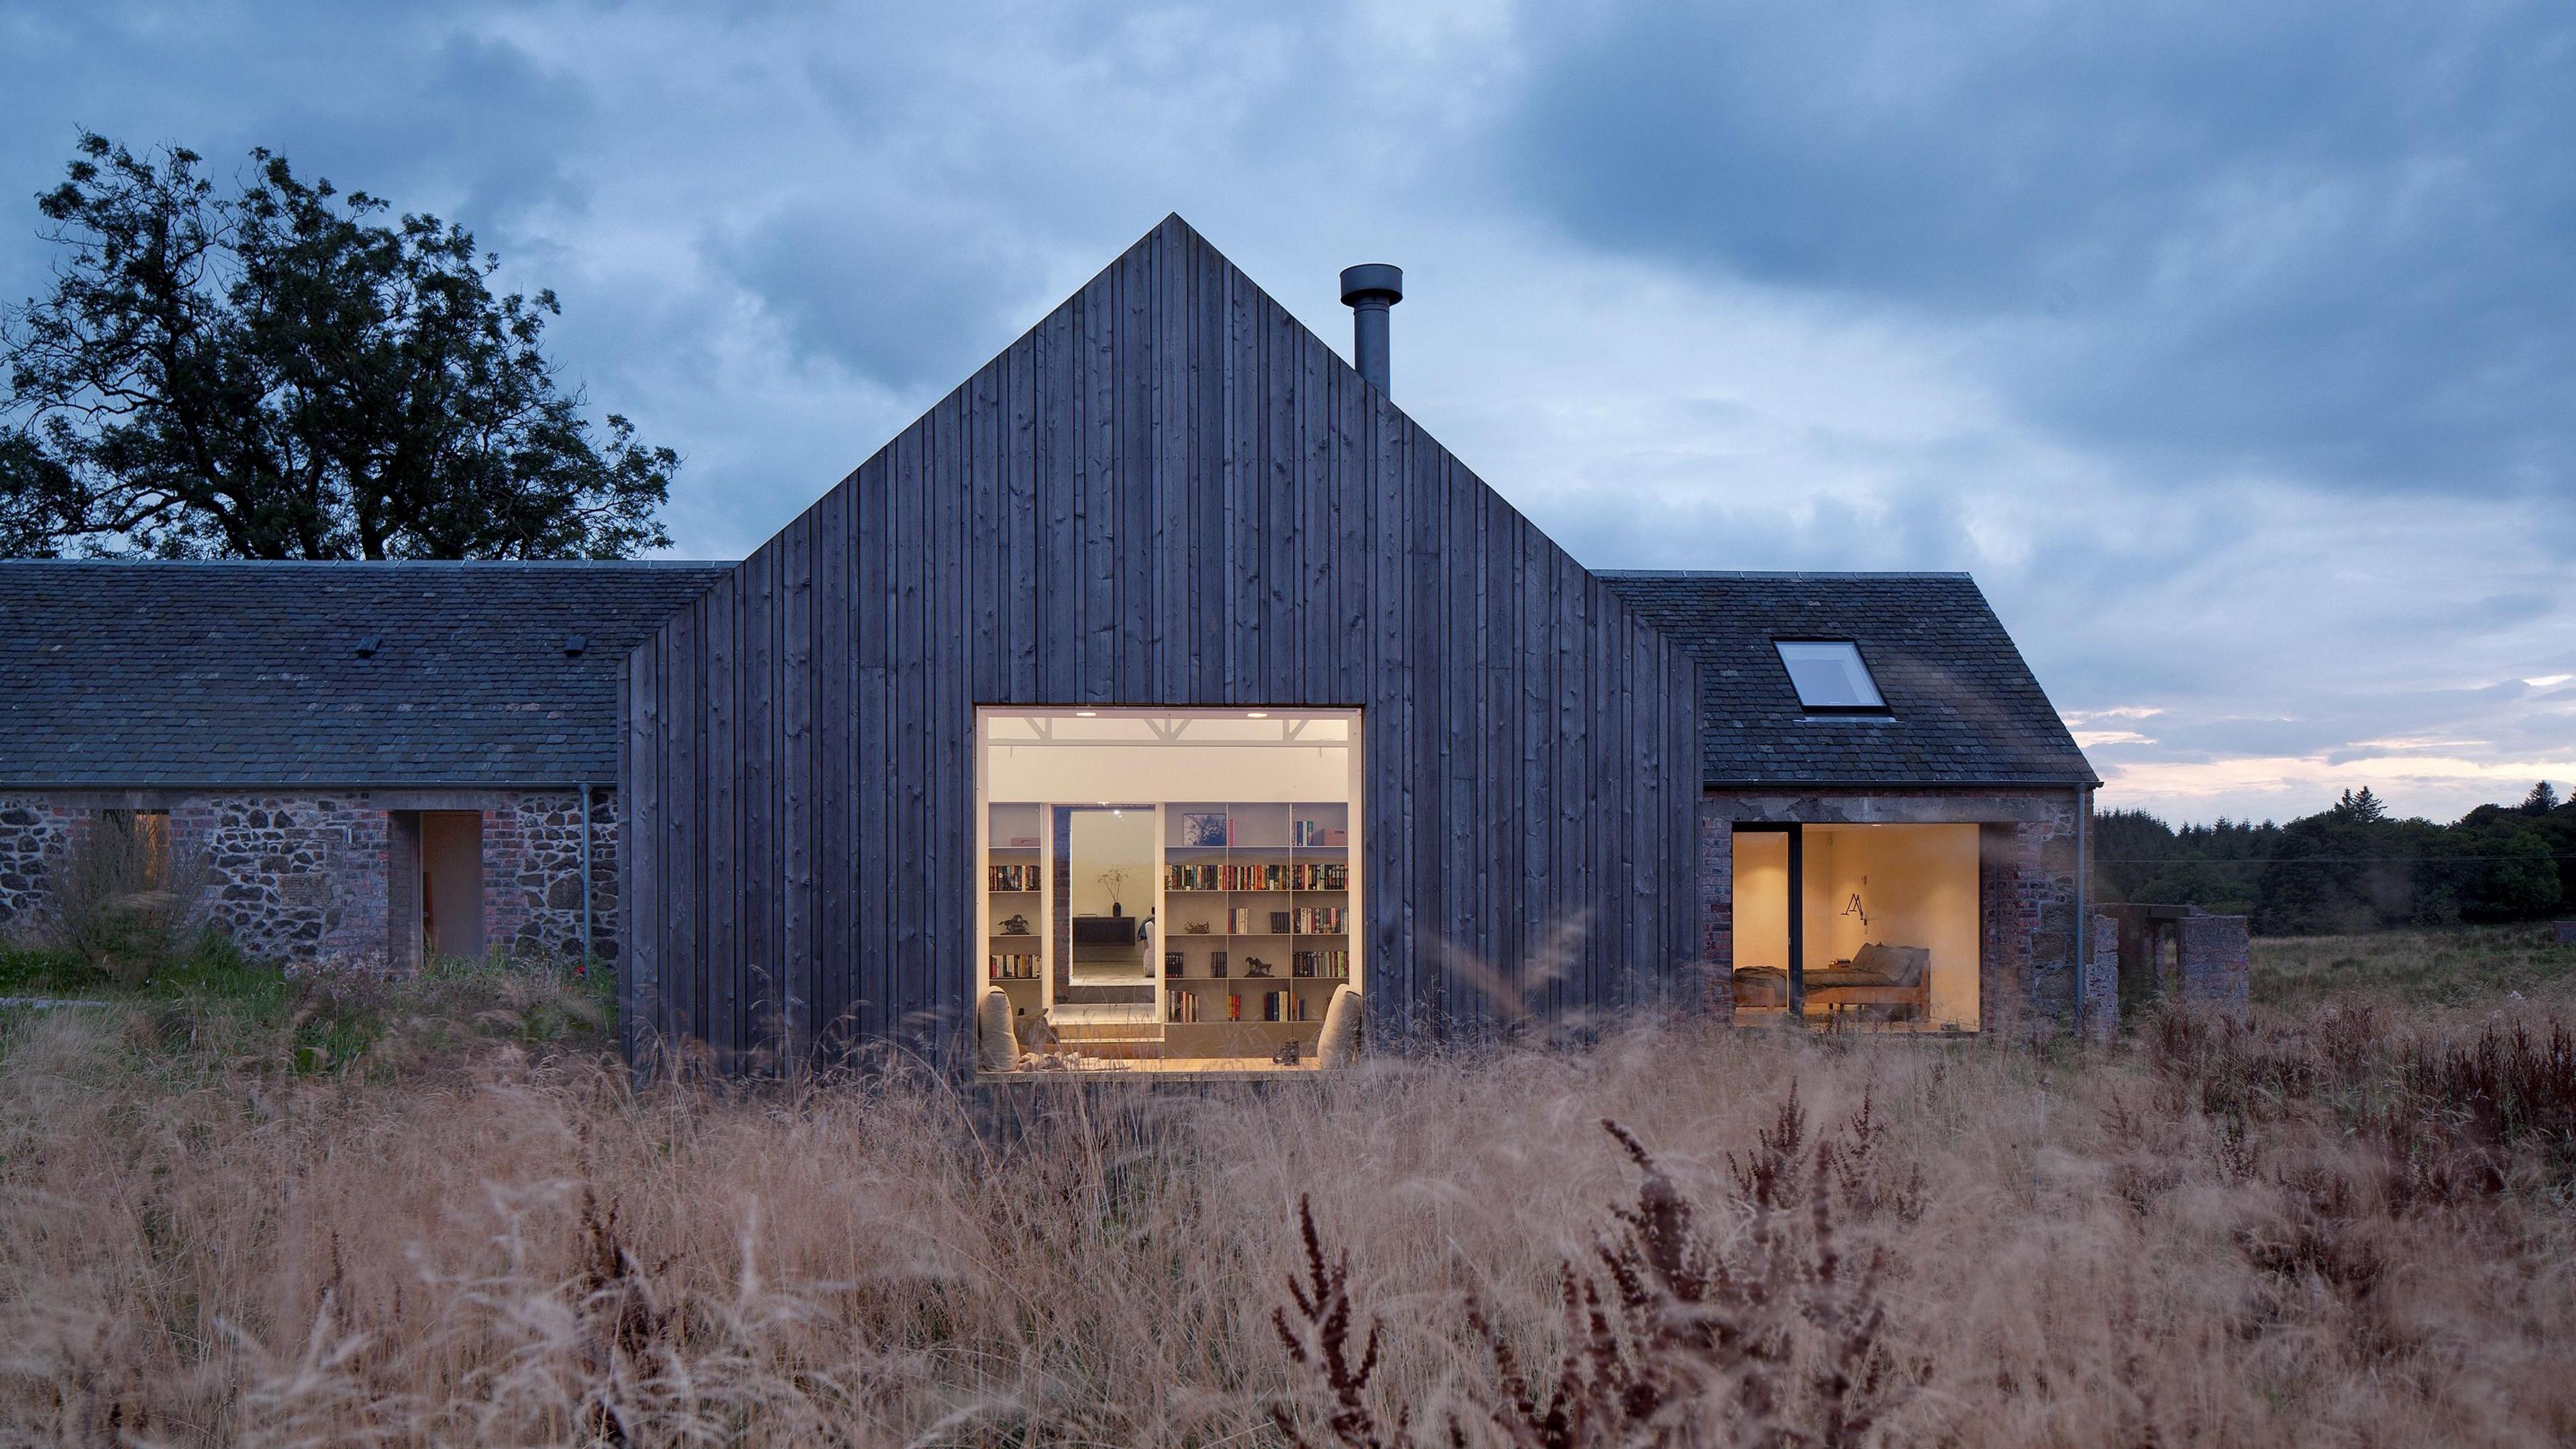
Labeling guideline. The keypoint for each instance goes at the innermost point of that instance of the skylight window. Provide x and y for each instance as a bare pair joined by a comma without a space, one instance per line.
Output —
1829,674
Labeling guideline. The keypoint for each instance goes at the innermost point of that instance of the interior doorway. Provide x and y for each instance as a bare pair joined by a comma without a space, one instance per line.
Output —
451,884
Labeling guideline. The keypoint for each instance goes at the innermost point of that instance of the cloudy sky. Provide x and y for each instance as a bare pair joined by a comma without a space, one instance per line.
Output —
2231,345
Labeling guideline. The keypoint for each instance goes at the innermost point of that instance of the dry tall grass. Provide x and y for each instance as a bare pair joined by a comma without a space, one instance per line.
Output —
2301,1234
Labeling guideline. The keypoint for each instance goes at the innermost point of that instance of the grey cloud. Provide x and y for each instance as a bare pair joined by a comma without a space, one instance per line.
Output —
901,294
2333,241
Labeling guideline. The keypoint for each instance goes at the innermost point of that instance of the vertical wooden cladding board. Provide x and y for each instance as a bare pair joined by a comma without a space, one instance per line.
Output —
871,707
720,764
1168,491
798,786
757,851
639,884
822,975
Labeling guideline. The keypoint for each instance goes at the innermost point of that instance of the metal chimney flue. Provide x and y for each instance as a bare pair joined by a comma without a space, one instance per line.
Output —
1369,290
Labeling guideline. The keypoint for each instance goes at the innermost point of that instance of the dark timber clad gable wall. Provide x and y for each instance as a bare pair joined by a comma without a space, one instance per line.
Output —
1168,492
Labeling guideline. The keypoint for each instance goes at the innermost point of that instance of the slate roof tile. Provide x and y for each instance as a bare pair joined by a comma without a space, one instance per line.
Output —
241,673
1963,708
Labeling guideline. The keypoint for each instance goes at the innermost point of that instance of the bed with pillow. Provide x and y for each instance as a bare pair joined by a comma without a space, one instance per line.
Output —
1887,982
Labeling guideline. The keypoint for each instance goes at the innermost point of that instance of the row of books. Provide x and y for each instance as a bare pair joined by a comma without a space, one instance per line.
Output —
1316,832
1011,877
1305,876
1183,1007
1303,964
1011,966
1303,921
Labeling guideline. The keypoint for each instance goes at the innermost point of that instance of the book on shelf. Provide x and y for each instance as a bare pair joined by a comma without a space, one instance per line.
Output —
1316,833
1301,963
1011,877
1271,1005
1319,921
1181,1006
1217,966
1319,876
1273,877
1279,922
1234,1007
1171,963
1243,921
1011,966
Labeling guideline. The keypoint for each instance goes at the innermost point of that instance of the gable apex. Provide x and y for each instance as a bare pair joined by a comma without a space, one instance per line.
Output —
1175,339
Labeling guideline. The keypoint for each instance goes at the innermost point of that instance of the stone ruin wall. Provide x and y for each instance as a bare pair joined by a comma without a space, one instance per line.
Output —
300,877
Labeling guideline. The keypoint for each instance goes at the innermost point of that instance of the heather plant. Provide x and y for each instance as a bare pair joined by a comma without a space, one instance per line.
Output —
1769,1336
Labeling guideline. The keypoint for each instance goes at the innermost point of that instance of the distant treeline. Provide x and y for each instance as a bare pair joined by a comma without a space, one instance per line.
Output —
2349,868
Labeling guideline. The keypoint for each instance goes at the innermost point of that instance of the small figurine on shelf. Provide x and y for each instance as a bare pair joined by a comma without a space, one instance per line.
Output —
1255,966
1016,926
1195,928
1290,1053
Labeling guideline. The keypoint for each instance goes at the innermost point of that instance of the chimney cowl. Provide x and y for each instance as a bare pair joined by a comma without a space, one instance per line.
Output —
1360,282
1369,290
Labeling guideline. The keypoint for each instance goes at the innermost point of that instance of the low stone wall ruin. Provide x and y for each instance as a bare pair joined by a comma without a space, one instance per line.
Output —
301,877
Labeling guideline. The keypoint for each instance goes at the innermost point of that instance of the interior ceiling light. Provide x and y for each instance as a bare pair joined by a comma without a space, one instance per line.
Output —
1086,713
1256,714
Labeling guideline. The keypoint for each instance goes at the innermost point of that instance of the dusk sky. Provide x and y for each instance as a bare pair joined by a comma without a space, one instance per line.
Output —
2231,346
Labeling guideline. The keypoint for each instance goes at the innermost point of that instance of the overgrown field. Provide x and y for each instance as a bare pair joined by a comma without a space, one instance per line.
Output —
235,1209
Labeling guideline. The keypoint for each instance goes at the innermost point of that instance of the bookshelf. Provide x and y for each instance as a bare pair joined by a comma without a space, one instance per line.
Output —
1270,883
1015,886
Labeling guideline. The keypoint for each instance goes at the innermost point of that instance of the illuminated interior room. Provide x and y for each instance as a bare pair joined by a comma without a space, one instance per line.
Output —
1167,889
1870,926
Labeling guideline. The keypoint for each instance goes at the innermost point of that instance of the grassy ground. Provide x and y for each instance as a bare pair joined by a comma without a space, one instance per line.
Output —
238,1209
206,1005
2456,967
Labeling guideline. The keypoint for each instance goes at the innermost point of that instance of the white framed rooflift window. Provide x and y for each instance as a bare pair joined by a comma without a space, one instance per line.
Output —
1166,889
1830,675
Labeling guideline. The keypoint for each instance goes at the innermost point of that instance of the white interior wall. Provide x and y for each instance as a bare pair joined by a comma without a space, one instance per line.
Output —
1146,773
1919,886
1820,878
1762,899
1102,839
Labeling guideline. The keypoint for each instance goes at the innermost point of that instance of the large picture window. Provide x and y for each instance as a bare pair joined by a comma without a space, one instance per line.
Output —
1166,890
1872,925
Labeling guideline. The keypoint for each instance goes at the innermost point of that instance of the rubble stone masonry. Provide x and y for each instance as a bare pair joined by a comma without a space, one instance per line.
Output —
300,877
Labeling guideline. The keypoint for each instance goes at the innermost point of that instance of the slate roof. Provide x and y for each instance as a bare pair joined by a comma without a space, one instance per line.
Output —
1963,708
181,674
